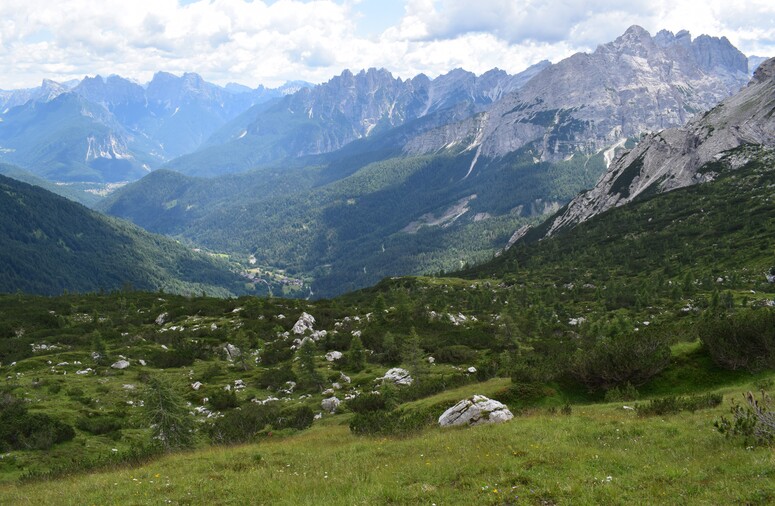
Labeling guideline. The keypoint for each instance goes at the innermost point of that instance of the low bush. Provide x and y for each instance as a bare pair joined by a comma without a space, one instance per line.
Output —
754,421
252,420
221,400
632,358
20,430
744,340
672,405
99,424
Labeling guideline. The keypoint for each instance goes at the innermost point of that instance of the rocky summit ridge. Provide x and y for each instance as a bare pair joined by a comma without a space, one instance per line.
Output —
723,138
591,101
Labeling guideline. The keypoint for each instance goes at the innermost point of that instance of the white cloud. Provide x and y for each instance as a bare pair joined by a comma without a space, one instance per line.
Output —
258,42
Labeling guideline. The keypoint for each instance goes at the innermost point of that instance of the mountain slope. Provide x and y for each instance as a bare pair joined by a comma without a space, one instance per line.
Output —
685,156
51,244
110,130
329,116
589,102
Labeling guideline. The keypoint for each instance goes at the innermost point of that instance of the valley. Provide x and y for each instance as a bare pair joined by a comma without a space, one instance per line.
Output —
552,287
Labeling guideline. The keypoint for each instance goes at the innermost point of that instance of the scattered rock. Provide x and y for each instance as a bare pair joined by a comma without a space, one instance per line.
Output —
196,386
330,404
397,376
334,355
304,323
232,352
162,318
431,360
142,362
344,378
471,369
121,364
475,410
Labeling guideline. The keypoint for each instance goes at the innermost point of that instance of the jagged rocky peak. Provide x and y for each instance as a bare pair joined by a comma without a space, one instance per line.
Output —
673,158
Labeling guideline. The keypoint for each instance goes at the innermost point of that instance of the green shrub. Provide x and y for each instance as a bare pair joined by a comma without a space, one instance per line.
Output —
631,358
276,377
754,422
20,429
221,399
626,392
369,403
456,354
99,424
672,404
745,340
252,420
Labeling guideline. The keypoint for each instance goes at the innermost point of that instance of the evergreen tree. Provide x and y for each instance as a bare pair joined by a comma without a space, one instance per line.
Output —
356,355
165,411
308,375
413,357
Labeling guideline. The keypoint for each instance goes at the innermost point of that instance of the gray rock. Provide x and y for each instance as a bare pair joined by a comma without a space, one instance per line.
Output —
397,376
331,356
330,404
232,352
162,318
476,410
121,364
303,324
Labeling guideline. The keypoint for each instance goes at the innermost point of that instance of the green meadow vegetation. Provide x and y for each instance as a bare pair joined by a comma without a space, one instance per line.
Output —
636,351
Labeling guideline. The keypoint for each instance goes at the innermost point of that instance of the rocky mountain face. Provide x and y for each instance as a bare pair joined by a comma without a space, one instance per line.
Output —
588,102
724,138
112,129
349,107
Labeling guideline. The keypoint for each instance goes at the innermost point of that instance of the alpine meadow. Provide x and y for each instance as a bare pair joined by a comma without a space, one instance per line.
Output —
548,280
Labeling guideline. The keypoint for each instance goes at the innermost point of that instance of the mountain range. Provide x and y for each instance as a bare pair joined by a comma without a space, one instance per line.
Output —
113,129
368,175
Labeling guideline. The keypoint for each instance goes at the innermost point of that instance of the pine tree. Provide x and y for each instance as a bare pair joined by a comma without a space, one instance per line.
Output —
165,411
308,375
356,355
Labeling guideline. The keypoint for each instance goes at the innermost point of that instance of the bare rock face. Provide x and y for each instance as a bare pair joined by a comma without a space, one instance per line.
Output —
476,410
588,102
673,158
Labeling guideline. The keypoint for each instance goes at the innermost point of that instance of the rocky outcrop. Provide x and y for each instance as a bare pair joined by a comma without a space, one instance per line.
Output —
303,324
476,410
585,103
676,158
397,376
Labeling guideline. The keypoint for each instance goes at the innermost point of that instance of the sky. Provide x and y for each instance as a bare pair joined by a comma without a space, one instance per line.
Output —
270,42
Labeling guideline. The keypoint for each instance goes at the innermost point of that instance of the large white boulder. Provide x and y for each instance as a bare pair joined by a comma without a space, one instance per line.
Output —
121,364
334,355
475,410
397,376
304,323
330,404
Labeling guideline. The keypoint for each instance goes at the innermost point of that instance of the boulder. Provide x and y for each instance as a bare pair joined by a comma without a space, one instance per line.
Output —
475,410
304,323
121,364
196,385
162,318
334,355
330,404
232,352
397,376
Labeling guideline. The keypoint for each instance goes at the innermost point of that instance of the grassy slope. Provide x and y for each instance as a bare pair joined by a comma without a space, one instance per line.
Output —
600,454
52,245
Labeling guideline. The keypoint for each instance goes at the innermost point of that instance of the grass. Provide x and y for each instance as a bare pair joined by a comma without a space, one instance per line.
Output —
600,454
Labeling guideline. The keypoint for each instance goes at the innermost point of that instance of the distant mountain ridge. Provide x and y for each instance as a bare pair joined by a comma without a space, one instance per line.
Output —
587,102
113,129
349,107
